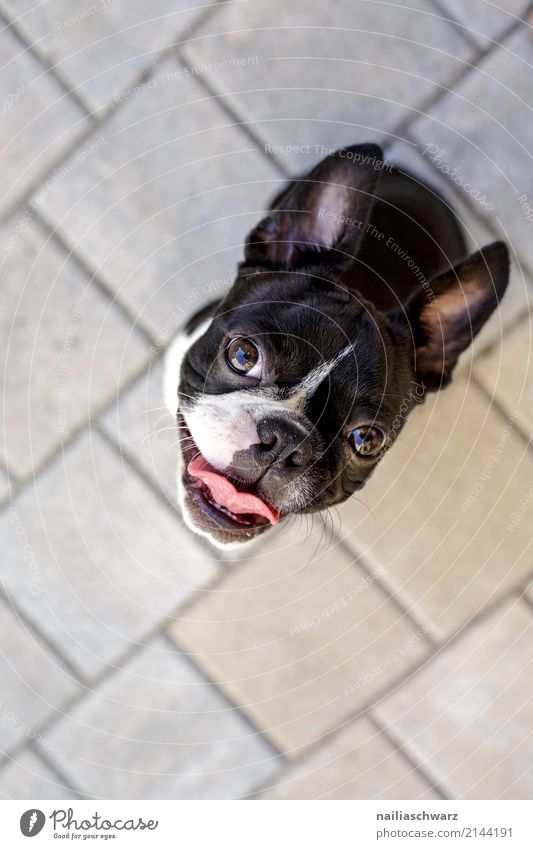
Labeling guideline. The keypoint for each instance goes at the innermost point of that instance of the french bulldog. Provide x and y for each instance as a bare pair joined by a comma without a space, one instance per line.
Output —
355,298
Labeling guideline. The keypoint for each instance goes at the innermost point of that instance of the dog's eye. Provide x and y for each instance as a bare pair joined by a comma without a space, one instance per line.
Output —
244,357
367,440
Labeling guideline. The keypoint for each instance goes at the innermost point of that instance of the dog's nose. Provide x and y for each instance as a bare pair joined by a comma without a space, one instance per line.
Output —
282,442
284,446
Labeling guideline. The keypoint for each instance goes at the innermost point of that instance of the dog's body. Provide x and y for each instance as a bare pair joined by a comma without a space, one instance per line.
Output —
348,307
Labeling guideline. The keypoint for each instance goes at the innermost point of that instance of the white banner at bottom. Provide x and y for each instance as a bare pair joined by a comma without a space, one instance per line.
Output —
269,825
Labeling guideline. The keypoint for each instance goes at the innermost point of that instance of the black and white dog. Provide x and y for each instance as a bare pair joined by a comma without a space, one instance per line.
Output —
354,299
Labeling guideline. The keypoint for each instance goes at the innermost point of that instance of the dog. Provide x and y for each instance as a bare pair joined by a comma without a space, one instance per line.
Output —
354,300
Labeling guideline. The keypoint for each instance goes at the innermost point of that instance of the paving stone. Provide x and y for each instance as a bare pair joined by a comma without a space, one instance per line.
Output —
103,47
162,209
436,513
358,763
34,683
468,715
142,427
4,487
520,291
95,559
486,22
27,777
300,638
506,373
479,131
157,730
38,120
66,351
305,77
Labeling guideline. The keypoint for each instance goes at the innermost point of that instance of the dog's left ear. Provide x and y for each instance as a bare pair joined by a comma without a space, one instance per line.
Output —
323,212
446,314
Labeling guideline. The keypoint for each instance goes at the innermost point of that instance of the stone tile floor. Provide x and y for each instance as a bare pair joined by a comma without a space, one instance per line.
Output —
386,653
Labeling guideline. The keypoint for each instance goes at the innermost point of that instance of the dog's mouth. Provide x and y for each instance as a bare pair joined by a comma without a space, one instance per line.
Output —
218,505
244,508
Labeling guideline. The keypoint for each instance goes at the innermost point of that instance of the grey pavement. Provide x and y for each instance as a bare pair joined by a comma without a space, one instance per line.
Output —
382,651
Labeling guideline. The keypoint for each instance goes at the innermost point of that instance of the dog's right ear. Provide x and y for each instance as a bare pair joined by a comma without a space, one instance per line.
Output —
325,212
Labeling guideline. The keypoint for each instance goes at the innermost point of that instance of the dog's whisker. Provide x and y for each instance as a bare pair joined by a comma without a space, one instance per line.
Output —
326,521
337,516
153,410
154,433
161,430
308,530
175,445
332,529
316,553
327,533
362,503
164,416
159,418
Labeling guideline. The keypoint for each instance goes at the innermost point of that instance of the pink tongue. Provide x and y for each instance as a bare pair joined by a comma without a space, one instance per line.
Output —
227,495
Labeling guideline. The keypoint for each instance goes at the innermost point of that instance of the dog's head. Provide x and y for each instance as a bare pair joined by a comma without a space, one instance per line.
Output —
298,386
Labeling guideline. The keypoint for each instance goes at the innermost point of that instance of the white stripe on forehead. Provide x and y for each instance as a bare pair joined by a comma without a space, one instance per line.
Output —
296,396
277,399
315,377
272,397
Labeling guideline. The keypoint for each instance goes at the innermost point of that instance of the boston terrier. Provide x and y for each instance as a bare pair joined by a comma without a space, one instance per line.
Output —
355,299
